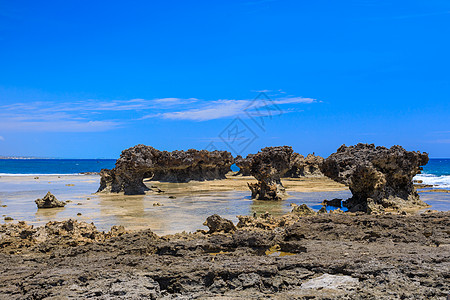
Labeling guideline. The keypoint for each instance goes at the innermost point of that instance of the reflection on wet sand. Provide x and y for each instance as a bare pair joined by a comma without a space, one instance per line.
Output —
46,215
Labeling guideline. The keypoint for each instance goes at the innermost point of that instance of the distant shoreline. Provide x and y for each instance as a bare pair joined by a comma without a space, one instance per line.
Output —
46,158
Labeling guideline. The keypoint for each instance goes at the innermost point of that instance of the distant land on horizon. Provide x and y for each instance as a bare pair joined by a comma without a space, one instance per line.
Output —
52,158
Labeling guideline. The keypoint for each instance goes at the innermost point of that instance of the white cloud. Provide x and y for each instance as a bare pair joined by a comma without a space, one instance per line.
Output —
2,138
212,110
94,116
230,108
60,126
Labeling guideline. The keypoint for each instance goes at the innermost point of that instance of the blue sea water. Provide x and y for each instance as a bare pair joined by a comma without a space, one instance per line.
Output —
53,166
436,172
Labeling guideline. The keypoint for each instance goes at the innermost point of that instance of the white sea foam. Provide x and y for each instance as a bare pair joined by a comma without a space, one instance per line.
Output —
438,181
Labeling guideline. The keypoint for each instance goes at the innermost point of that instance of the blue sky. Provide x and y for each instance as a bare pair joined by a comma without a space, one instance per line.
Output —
87,79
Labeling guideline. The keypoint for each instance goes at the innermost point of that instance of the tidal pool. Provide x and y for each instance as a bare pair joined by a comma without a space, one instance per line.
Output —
184,207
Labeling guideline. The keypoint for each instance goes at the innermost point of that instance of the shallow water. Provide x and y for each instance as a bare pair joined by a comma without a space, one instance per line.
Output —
186,212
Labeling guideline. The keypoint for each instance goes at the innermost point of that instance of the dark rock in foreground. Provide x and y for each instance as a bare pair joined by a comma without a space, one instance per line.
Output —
378,177
328,256
49,201
267,166
139,162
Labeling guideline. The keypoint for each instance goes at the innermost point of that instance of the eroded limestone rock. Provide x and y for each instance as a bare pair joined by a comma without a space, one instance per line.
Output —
139,162
267,166
378,177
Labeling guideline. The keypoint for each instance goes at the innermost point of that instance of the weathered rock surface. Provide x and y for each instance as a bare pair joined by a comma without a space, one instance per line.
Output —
378,177
19,236
139,162
305,167
267,166
347,256
49,201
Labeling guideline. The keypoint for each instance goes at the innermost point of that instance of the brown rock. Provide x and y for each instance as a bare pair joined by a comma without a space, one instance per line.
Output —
378,173
49,201
216,223
139,162
267,166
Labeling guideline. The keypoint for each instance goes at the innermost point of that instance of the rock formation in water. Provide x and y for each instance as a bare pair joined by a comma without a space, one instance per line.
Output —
49,201
267,166
308,166
139,162
378,177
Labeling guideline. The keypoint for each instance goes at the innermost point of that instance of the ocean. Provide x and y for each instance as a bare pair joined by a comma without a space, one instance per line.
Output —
436,172
53,166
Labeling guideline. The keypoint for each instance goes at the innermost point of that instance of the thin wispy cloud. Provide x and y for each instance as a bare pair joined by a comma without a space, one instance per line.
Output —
2,138
97,116
220,109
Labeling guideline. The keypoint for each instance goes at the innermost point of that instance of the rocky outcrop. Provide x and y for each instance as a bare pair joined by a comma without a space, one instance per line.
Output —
378,177
388,256
139,162
305,167
267,166
49,201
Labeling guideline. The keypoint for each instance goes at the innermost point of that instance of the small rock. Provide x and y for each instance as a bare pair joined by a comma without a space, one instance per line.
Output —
334,202
303,210
216,223
172,197
157,204
70,184
323,210
78,214
49,201
4,205
79,203
8,219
